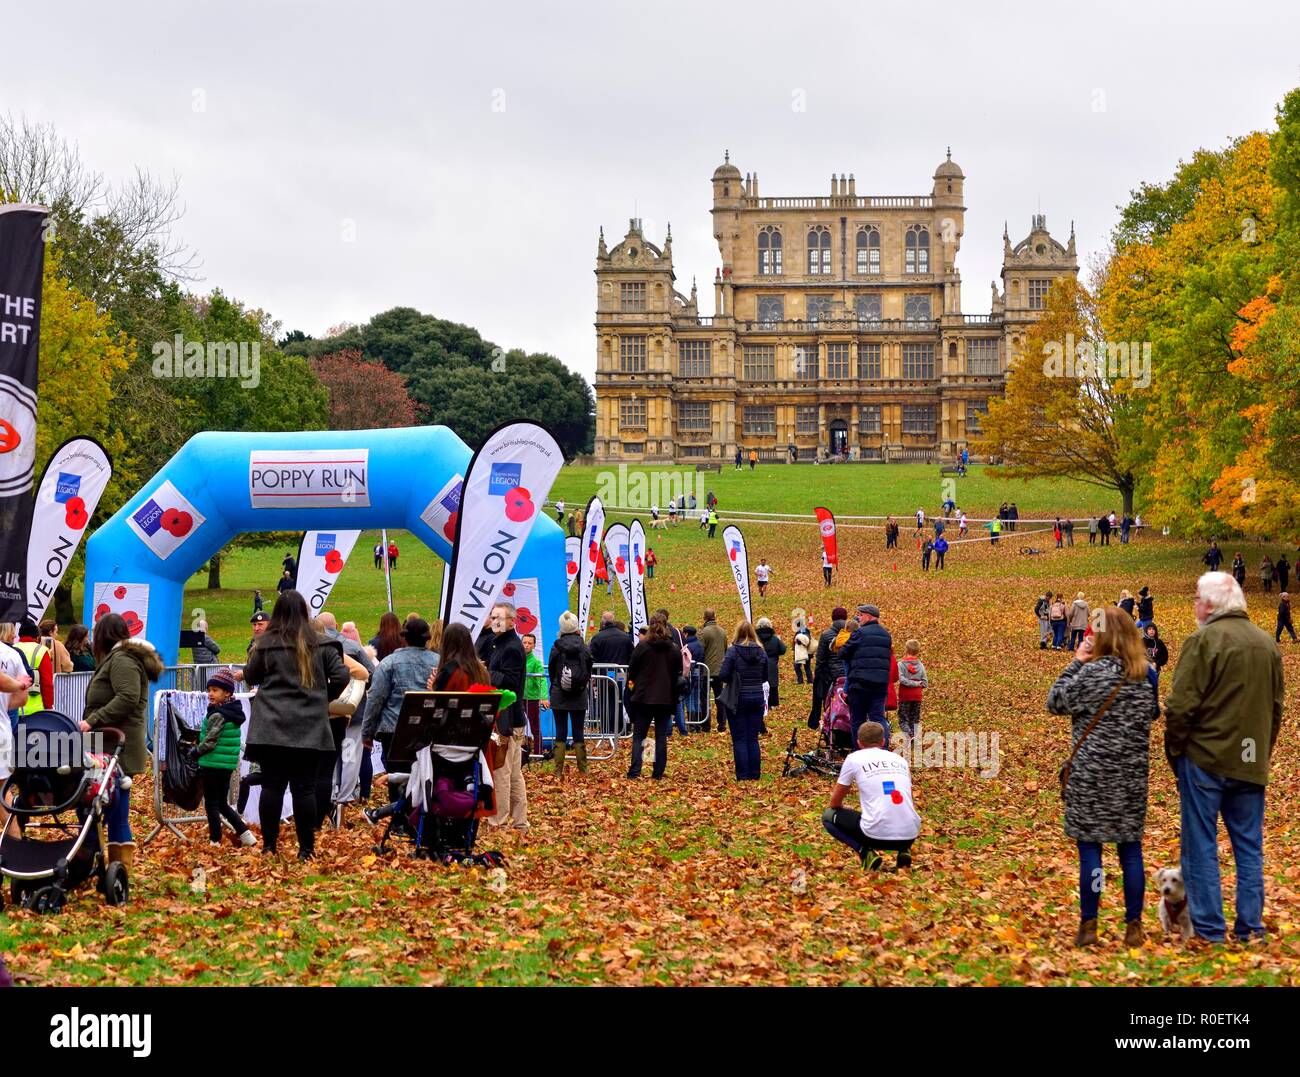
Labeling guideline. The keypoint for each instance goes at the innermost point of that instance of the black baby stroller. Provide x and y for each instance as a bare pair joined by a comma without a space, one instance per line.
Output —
58,779
834,739
438,755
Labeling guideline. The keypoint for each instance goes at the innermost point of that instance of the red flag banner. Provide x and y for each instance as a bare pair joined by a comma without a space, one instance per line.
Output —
826,525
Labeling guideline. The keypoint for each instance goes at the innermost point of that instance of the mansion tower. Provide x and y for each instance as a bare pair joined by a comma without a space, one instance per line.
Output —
837,327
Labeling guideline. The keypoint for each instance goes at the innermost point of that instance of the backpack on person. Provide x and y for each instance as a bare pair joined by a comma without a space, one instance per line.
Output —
573,677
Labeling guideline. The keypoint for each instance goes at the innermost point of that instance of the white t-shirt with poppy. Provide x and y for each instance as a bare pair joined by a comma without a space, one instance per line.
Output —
885,793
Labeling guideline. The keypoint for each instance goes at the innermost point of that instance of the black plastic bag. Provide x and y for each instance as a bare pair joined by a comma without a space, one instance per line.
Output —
182,782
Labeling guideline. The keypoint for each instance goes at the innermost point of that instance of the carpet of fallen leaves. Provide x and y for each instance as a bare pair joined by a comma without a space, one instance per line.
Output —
699,880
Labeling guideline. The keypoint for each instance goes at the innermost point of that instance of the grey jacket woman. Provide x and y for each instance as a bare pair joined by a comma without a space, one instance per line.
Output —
285,714
407,669
1106,796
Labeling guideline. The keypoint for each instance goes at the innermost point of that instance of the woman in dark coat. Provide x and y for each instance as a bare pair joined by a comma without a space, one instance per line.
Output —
652,675
745,667
775,648
1106,795
296,673
569,705
118,698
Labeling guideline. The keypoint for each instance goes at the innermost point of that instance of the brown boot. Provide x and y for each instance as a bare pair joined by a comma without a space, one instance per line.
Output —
581,749
1133,935
1087,935
560,749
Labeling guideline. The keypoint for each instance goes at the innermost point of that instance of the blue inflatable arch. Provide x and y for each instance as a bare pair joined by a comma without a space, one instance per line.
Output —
222,484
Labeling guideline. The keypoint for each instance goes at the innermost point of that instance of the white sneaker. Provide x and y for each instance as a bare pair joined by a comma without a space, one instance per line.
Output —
246,838
216,843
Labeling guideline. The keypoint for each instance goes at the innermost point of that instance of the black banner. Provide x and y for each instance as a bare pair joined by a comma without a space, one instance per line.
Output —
22,261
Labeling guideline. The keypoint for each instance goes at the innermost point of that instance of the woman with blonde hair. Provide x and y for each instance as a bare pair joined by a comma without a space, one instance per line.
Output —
744,672
1109,701
1126,602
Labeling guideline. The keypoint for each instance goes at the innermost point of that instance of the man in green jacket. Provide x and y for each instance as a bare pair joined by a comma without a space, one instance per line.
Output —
1221,724
714,641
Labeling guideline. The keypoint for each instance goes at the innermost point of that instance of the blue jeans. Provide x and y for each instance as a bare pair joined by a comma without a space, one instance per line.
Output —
1204,798
1090,879
679,718
744,739
1058,634
1076,637
868,701
119,817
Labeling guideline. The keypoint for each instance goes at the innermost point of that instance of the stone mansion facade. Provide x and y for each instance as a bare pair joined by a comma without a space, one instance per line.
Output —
837,327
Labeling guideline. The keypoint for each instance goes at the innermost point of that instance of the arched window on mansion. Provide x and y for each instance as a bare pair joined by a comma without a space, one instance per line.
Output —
916,250
819,250
769,251
868,250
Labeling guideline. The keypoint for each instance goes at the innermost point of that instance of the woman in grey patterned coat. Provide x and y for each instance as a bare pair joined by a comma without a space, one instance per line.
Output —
1106,796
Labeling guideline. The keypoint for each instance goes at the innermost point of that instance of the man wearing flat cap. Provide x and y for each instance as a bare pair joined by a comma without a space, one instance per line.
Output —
867,661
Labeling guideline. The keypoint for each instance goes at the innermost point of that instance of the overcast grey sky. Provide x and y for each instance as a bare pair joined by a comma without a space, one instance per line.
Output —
382,114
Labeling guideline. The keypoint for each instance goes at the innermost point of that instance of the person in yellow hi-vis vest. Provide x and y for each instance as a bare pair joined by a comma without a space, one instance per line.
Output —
42,664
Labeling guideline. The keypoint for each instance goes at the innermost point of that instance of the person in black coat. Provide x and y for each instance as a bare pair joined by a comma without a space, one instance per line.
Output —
569,703
866,670
652,676
744,672
611,645
828,666
775,647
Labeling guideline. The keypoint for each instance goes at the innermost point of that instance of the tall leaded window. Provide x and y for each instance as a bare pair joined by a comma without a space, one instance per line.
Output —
631,296
868,250
975,412
771,309
918,361
819,250
1038,290
818,307
916,308
916,250
837,361
868,307
805,362
981,355
760,362
869,361
759,419
631,414
694,358
769,251
694,416
805,419
631,354
918,419
869,419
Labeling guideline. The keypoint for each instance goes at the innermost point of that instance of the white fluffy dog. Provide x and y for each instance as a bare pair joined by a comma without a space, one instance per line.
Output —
1173,903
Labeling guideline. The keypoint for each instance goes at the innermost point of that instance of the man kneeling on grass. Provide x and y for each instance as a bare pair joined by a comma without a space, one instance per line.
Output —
887,820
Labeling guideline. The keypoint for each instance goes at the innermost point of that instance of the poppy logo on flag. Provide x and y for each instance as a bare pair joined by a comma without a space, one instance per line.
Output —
67,487
735,549
828,528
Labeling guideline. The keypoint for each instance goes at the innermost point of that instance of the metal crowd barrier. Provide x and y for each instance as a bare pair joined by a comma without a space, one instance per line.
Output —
70,688
699,700
607,719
